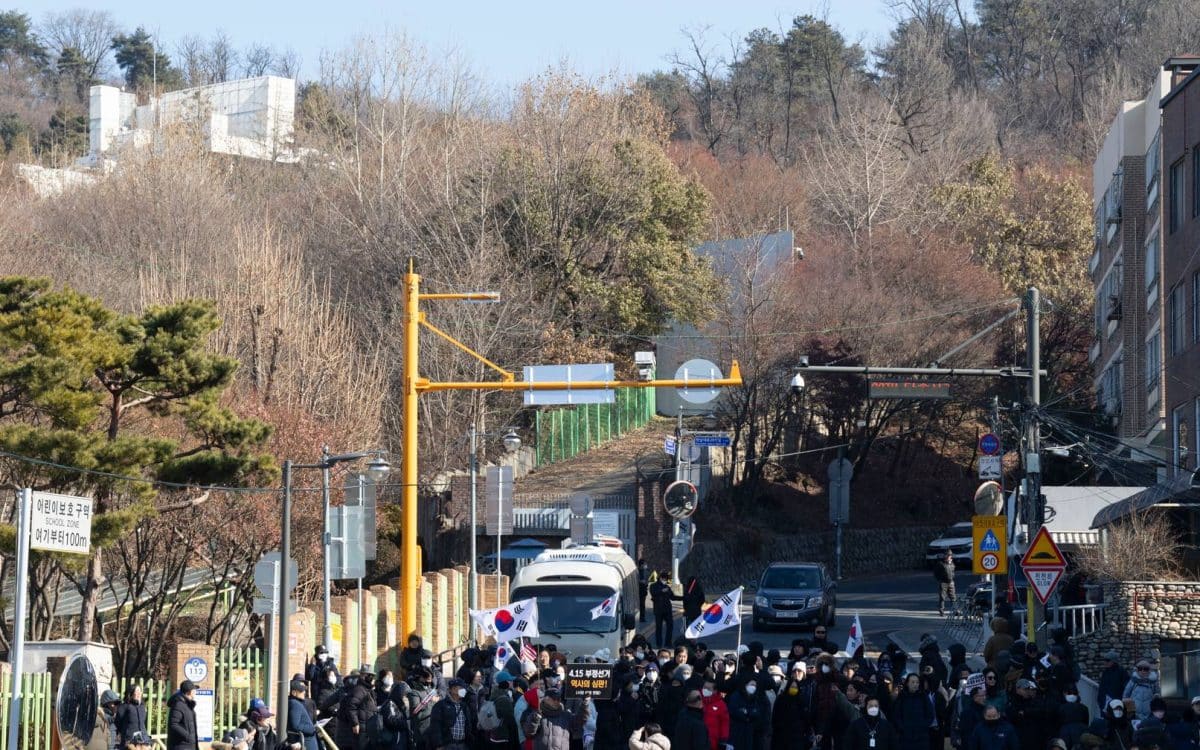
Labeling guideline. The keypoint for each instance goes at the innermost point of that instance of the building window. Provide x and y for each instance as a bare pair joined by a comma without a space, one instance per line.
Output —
1179,668
1177,320
1152,252
1153,165
1108,301
1110,390
1180,447
1175,197
1153,361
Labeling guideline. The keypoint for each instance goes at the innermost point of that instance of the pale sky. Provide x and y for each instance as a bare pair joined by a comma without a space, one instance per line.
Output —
504,41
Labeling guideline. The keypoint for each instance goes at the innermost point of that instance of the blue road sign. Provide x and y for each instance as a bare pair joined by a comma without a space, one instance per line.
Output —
989,543
712,441
989,444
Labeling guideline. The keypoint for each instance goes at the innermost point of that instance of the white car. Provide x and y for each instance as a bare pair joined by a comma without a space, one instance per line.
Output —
957,539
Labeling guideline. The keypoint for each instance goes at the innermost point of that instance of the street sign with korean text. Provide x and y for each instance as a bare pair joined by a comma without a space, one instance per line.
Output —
593,681
60,523
712,439
989,444
990,467
1043,581
669,446
569,374
989,555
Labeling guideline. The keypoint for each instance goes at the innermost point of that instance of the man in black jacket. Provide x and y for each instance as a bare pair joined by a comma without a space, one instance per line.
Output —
355,710
181,718
664,617
943,571
452,726
690,731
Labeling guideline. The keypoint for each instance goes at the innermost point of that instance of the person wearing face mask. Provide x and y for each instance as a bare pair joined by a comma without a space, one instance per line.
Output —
829,710
354,712
913,715
749,717
422,698
410,655
452,725
551,726
790,727
969,716
1119,728
318,674
390,728
1152,731
1073,717
1142,688
671,699
648,696
716,714
993,733
871,731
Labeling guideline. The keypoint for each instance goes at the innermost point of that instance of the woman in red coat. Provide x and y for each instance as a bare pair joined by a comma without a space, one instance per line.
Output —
716,714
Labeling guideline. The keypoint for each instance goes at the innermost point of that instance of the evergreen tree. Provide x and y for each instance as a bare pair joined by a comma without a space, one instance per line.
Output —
142,64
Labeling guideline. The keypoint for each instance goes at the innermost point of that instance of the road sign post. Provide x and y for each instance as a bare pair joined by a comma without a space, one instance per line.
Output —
1044,565
989,554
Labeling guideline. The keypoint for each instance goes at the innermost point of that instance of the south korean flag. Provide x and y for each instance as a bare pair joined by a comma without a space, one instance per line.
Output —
504,652
607,608
724,613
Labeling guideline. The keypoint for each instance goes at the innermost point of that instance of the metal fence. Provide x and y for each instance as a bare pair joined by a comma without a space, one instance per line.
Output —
240,674
564,433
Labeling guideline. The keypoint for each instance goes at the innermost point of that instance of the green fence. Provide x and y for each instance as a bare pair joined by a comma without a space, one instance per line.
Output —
564,433
240,676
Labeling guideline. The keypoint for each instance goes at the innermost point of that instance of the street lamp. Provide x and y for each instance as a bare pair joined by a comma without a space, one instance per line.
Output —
512,442
378,467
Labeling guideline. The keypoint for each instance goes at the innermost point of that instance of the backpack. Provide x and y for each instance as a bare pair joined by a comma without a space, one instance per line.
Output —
488,718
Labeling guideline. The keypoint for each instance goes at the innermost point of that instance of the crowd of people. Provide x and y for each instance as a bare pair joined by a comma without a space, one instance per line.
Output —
688,697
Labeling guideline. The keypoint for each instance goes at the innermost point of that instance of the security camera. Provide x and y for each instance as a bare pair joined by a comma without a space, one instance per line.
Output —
797,384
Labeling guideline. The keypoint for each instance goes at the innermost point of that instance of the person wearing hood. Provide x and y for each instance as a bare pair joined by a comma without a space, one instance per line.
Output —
749,716
1000,640
1073,717
650,694
131,720
672,700
871,731
994,733
1152,731
913,715
1112,680
649,737
411,655
181,718
1141,689
931,656
105,735
355,709
1031,715
821,640
958,659
829,710
1119,727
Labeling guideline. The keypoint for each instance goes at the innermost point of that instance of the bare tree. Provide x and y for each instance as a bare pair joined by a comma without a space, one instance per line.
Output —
1143,547
257,60
88,31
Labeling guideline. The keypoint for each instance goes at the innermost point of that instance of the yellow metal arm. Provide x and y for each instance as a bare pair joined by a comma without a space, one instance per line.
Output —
508,376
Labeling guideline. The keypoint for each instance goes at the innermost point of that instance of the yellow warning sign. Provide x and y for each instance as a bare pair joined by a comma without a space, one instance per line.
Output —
989,553
1043,552
239,679
336,629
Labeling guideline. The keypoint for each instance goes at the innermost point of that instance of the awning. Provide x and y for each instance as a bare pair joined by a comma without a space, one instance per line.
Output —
1076,538
1179,490
523,549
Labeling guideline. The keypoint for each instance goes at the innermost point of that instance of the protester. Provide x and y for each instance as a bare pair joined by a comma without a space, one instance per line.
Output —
1000,640
412,655
354,712
749,717
1073,717
970,715
790,727
453,723
1142,688
181,718
300,724
551,726
1119,728
871,731
994,733
693,600
821,641
690,730
422,697
1030,715
913,715
1113,680
662,597
131,720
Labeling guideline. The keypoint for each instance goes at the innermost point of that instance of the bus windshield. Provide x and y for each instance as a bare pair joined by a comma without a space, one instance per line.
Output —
568,609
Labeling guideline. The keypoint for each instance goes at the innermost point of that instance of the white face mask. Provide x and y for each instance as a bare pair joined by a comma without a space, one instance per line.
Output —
1118,713
824,669
387,682
1071,698
331,679
778,679
462,692
652,676
706,693
427,662
751,689
1159,714
663,662
640,655
322,657
872,710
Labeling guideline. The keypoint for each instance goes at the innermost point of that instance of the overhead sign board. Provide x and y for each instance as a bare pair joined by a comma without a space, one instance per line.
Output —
60,523
593,681
346,549
908,388
990,467
569,374
989,555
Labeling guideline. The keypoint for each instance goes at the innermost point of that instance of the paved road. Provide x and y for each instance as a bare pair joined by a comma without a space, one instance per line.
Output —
903,601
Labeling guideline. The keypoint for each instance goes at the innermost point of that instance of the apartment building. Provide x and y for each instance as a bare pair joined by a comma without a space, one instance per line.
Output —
1181,263
1126,271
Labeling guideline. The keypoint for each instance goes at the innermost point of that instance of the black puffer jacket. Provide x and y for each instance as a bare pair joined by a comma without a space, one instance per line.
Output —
181,723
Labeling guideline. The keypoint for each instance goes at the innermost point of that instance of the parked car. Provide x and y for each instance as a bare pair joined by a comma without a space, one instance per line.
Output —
957,539
801,594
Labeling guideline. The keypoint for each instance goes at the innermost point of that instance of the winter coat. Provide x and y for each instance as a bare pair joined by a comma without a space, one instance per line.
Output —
1000,736
944,571
655,742
393,714
1151,732
300,723
716,719
181,723
1073,720
319,685
861,730
1001,640
690,731
662,596
355,710
131,719
410,658
790,728
1142,690
912,714
749,717
969,717
505,707
420,710
670,705
441,723
555,729
693,599
265,738
1112,685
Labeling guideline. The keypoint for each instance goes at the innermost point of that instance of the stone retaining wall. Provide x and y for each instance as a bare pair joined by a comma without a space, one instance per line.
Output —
864,551
1138,616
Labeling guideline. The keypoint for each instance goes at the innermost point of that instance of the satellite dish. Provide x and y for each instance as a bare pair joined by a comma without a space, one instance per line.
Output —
698,369
78,703
989,500
681,499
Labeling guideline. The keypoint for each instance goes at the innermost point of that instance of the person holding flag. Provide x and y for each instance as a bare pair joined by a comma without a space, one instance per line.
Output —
722,614
854,641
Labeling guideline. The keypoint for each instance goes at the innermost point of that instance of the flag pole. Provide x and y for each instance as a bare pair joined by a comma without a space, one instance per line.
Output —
739,641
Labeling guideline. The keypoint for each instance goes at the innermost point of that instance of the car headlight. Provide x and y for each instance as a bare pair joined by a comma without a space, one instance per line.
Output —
761,601
815,601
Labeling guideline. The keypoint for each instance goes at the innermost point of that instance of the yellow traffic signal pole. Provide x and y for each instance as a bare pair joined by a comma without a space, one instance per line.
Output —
414,385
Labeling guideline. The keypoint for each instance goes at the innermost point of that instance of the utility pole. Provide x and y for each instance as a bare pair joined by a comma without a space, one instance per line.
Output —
1033,447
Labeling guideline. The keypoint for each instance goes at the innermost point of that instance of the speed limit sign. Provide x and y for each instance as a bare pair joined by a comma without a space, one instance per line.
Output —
989,562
